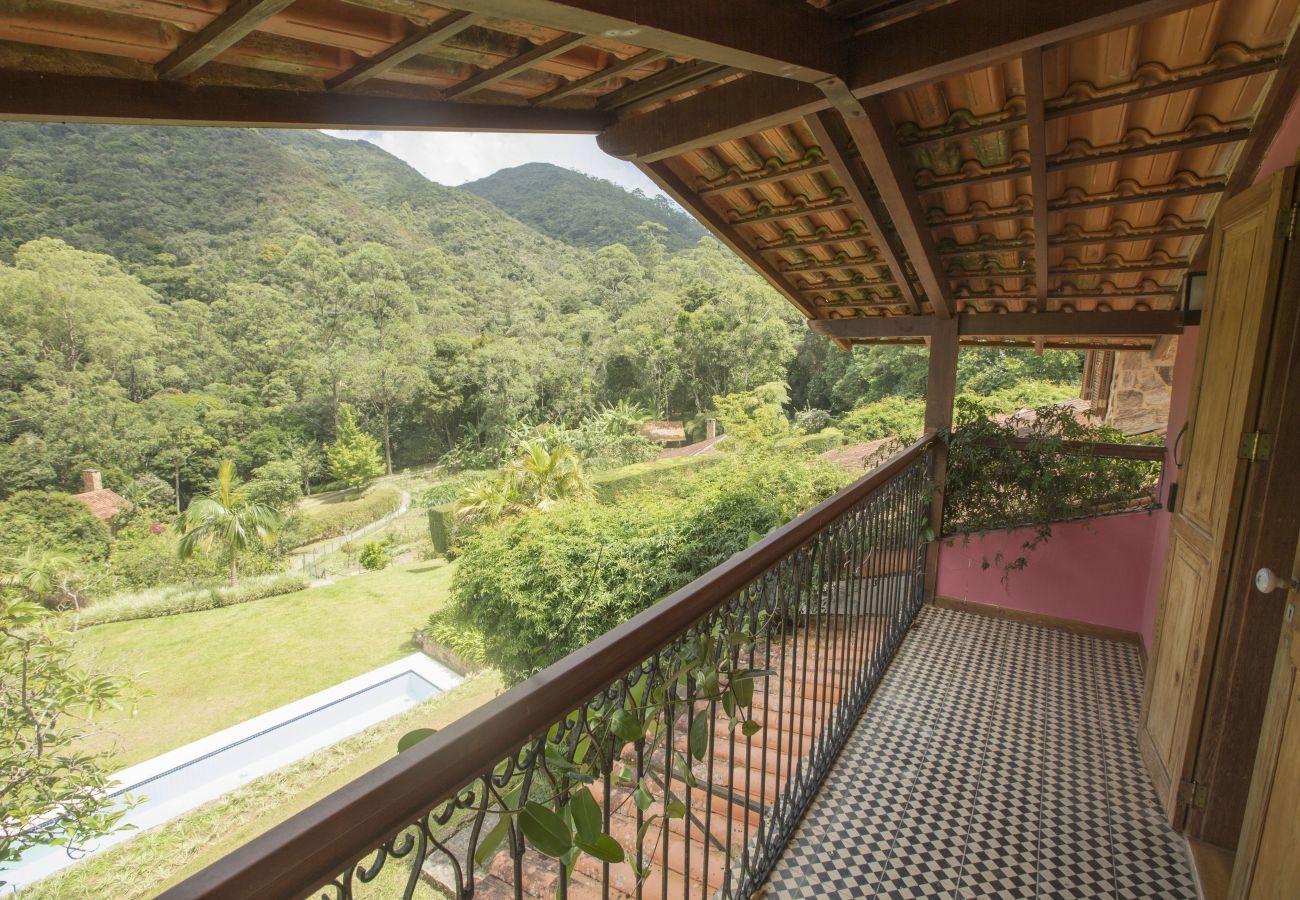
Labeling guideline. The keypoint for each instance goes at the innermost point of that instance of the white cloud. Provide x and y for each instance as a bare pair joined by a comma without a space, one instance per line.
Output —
455,157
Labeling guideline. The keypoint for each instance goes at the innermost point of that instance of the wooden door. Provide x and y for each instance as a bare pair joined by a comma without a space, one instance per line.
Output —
1245,263
1268,854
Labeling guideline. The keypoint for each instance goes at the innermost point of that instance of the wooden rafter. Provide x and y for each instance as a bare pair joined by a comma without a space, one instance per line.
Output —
510,67
850,178
59,98
1141,323
595,79
776,37
420,41
1036,119
664,85
873,134
772,213
672,185
947,41
239,20
820,238
760,177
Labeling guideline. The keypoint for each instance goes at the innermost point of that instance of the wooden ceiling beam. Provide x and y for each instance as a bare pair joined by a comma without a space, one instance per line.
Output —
946,41
419,41
775,37
824,127
869,125
663,85
511,67
672,185
1036,114
595,79
1145,323
32,97
239,20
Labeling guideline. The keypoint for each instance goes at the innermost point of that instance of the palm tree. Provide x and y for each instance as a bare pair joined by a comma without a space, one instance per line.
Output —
227,518
542,475
41,574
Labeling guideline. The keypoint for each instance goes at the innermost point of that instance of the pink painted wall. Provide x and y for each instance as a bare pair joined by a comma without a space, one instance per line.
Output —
1092,571
1103,571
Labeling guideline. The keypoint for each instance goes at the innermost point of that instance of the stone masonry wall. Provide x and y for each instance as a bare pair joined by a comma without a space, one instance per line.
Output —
1139,394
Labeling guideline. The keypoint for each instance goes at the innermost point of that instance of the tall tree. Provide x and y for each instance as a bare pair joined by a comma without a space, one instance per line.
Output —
354,457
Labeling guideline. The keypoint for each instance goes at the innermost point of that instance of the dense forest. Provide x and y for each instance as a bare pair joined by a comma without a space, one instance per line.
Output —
172,297
581,210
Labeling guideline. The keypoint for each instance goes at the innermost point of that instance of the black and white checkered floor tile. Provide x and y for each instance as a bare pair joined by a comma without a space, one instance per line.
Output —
997,759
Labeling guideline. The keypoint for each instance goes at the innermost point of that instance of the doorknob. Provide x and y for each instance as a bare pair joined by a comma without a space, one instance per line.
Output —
1267,581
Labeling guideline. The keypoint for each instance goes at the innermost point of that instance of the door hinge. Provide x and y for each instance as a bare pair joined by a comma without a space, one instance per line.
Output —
1193,794
1256,445
1286,223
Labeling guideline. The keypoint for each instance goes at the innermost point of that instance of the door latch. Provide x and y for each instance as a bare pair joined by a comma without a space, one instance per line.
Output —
1267,581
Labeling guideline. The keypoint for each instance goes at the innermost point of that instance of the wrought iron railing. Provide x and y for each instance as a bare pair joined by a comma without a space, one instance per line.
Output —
672,757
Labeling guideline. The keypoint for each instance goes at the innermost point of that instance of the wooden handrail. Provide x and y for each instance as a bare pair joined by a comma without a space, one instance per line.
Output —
1095,448
324,840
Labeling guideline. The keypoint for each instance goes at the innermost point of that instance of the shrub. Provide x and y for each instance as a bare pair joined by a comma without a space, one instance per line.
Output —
826,439
451,487
171,601
442,526
615,483
890,417
543,585
277,484
354,458
51,521
374,555
464,641
811,421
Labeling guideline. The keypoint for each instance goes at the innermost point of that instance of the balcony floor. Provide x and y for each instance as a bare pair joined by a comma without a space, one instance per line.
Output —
997,759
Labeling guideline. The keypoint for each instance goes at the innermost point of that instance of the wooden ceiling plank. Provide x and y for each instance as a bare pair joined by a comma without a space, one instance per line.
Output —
873,134
417,42
1036,122
33,97
239,20
672,185
823,127
595,79
663,86
775,37
510,67
1144,323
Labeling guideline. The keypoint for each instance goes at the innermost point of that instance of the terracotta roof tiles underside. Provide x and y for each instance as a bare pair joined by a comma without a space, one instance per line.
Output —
1142,127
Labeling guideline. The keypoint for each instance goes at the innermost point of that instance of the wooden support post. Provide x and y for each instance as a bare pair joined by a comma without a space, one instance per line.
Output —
940,391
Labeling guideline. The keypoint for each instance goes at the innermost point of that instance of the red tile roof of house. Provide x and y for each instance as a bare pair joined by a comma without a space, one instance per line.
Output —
104,503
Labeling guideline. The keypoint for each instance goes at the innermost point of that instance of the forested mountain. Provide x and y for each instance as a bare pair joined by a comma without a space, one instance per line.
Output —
583,211
169,297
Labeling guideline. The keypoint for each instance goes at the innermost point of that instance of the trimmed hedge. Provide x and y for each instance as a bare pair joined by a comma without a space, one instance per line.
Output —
616,483
826,439
176,600
329,520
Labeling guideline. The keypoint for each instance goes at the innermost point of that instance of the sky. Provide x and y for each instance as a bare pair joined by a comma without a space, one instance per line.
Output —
454,158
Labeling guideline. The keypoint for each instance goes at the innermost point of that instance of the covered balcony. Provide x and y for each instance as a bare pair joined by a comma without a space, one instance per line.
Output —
855,705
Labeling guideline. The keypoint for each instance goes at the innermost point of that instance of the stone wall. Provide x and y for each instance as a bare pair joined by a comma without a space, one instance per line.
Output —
1139,390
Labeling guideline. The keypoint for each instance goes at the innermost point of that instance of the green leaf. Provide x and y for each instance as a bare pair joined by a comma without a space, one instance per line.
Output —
729,703
675,809
700,734
545,830
492,840
586,815
743,689
411,738
604,848
751,728
626,725
643,799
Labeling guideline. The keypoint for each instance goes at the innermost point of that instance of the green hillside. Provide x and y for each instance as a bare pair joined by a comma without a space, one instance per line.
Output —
581,210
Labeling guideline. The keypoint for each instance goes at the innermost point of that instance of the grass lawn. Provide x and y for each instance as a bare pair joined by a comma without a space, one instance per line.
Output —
208,670
160,857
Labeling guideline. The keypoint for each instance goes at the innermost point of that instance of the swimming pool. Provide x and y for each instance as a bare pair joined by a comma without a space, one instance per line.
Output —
189,776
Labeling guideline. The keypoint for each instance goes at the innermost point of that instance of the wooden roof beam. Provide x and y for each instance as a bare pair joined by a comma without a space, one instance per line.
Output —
1036,112
239,20
663,85
836,154
32,97
872,131
947,41
1144,323
420,41
775,37
510,67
